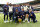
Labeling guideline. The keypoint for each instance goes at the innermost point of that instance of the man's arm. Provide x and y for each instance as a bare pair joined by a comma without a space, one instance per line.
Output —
3,8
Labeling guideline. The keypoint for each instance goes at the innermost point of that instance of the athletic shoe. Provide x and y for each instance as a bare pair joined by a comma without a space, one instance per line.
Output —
28,22
23,20
10,20
4,21
7,21
26,19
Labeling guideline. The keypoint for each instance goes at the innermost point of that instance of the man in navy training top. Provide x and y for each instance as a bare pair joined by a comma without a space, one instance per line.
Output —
14,10
23,15
5,11
32,16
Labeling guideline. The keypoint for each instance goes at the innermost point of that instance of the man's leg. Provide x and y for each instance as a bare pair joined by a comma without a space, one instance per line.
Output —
16,20
34,20
4,17
26,17
13,16
10,15
7,18
29,19
23,19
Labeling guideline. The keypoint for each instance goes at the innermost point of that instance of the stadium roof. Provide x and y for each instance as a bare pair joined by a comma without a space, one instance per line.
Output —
14,1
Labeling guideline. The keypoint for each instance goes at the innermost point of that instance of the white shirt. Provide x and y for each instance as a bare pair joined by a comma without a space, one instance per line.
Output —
10,8
29,7
25,8
22,7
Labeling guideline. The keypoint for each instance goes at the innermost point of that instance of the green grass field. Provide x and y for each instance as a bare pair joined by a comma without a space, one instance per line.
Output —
12,24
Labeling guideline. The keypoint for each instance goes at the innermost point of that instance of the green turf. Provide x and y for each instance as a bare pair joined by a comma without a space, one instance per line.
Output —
12,24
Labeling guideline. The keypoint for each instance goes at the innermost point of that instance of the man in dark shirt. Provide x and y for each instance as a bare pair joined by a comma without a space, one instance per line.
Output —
17,15
23,15
5,11
14,10
32,16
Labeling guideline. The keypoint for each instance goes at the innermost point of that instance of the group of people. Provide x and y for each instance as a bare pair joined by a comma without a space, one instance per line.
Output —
18,13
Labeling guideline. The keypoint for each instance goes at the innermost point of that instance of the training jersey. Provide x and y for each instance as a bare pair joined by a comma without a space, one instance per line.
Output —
33,15
25,8
14,9
10,8
30,7
22,13
22,7
5,10
19,9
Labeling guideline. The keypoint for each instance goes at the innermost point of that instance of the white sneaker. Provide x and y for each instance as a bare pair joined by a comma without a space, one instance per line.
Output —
24,21
10,20
28,22
27,19
7,21
4,21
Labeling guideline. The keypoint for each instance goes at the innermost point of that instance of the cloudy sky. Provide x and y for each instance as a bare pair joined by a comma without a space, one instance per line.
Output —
14,1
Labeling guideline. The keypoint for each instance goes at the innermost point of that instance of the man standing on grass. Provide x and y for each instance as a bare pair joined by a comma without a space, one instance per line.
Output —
10,11
14,10
5,11
25,10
